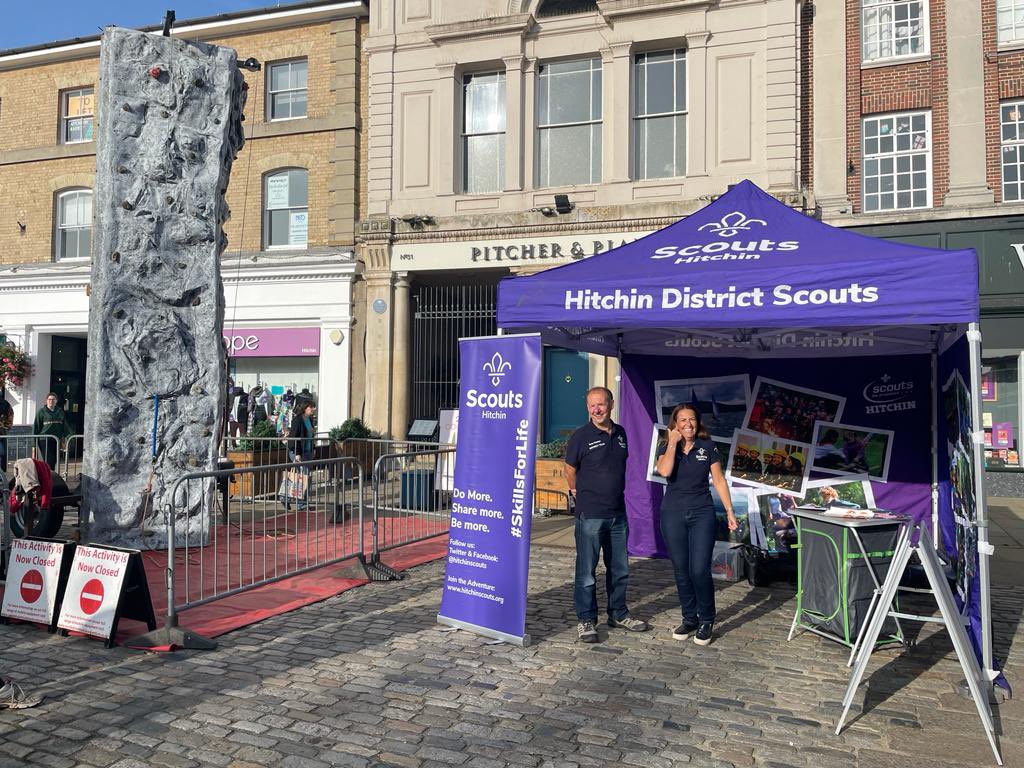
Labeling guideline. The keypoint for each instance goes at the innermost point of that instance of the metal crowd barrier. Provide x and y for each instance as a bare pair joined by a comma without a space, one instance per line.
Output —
263,540
31,447
369,450
407,504
73,452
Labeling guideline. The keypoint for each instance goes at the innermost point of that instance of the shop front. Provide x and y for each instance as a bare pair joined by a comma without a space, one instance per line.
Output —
449,290
287,326
999,242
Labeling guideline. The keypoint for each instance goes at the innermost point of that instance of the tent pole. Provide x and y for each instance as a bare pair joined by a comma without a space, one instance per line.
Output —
935,445
985,549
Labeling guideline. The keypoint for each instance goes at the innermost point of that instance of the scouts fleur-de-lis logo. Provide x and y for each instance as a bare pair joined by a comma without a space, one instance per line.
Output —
732,224
496,368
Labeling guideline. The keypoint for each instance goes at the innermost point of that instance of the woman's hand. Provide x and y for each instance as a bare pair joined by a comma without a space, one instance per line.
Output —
674,437
733,525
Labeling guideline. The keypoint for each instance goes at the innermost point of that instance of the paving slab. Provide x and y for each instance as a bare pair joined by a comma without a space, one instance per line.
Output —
368,678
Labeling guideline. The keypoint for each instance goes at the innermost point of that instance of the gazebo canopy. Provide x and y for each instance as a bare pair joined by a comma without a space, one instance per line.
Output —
748,275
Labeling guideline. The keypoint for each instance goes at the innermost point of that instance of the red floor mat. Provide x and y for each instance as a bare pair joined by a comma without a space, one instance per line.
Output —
241,555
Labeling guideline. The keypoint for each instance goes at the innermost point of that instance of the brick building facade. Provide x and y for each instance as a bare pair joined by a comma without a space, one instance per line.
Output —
928,150
294,197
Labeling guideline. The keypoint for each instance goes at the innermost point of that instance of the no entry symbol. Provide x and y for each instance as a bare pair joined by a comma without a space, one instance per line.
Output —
31,586
92,596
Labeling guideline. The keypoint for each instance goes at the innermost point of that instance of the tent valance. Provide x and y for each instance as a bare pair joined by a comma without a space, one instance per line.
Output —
744,264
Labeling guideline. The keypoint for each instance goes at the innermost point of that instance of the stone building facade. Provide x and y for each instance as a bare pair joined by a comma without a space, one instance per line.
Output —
507,136
294,196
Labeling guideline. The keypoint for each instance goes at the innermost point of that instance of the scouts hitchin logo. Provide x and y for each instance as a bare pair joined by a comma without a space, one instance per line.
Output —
496,368
732,224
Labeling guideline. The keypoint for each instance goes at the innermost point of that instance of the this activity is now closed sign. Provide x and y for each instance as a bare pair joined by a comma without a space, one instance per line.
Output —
93,590
33,577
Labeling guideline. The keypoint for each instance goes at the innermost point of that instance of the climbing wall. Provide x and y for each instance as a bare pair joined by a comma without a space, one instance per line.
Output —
170,125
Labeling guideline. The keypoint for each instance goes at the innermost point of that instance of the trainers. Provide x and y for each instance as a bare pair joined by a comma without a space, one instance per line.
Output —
684,630
628,622
703,636
586,632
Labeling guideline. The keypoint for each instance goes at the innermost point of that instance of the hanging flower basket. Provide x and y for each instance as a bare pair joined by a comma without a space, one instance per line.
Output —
15,365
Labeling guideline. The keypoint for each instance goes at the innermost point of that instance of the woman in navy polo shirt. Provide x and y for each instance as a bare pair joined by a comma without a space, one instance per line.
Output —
688,518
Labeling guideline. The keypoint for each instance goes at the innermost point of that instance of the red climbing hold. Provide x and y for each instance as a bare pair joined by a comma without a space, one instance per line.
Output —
155,72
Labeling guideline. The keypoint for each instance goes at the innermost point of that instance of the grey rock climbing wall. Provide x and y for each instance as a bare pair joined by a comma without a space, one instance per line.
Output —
170,125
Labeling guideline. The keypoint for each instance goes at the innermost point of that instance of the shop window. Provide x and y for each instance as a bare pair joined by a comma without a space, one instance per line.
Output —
659,119
73,235
483,133
897,162
1011,119
77,108
285,208
1009,21
1000,409
569,122
286,90
892,29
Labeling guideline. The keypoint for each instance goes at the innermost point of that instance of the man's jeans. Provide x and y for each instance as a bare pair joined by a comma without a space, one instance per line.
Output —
594,536
690,539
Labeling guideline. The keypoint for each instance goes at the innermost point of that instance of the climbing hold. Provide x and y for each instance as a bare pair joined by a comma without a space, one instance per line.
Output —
165,113
122,169
118,313
126,107
127,206
168,199
155,72
198,83
116,257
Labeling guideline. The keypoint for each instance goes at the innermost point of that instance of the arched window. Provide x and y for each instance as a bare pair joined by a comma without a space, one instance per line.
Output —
285,208
73,234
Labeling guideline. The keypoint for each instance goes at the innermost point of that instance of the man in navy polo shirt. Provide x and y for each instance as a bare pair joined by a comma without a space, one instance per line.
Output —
595,466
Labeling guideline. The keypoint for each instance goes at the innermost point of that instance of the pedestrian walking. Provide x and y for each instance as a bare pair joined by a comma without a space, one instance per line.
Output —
595,466
688,519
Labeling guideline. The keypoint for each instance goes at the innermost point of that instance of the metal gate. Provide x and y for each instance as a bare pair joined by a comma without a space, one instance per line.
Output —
441,315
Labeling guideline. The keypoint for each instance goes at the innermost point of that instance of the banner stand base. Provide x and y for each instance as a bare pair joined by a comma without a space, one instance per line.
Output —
169,638
447,621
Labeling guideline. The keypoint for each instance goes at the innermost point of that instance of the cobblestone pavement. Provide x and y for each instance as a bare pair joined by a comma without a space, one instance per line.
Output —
369,679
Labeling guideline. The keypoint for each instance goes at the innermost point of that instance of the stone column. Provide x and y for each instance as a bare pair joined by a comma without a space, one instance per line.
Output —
530,124
513,123
377,408
968,183
829,108
617,112
400,357
697,108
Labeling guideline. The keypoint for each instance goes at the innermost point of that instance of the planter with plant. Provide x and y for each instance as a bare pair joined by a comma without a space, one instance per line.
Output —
259,448
352,438
15,365
550,481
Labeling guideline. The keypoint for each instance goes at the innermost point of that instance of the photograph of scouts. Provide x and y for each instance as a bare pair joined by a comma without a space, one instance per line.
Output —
842,449
769,463
785,410
848,494
722,401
